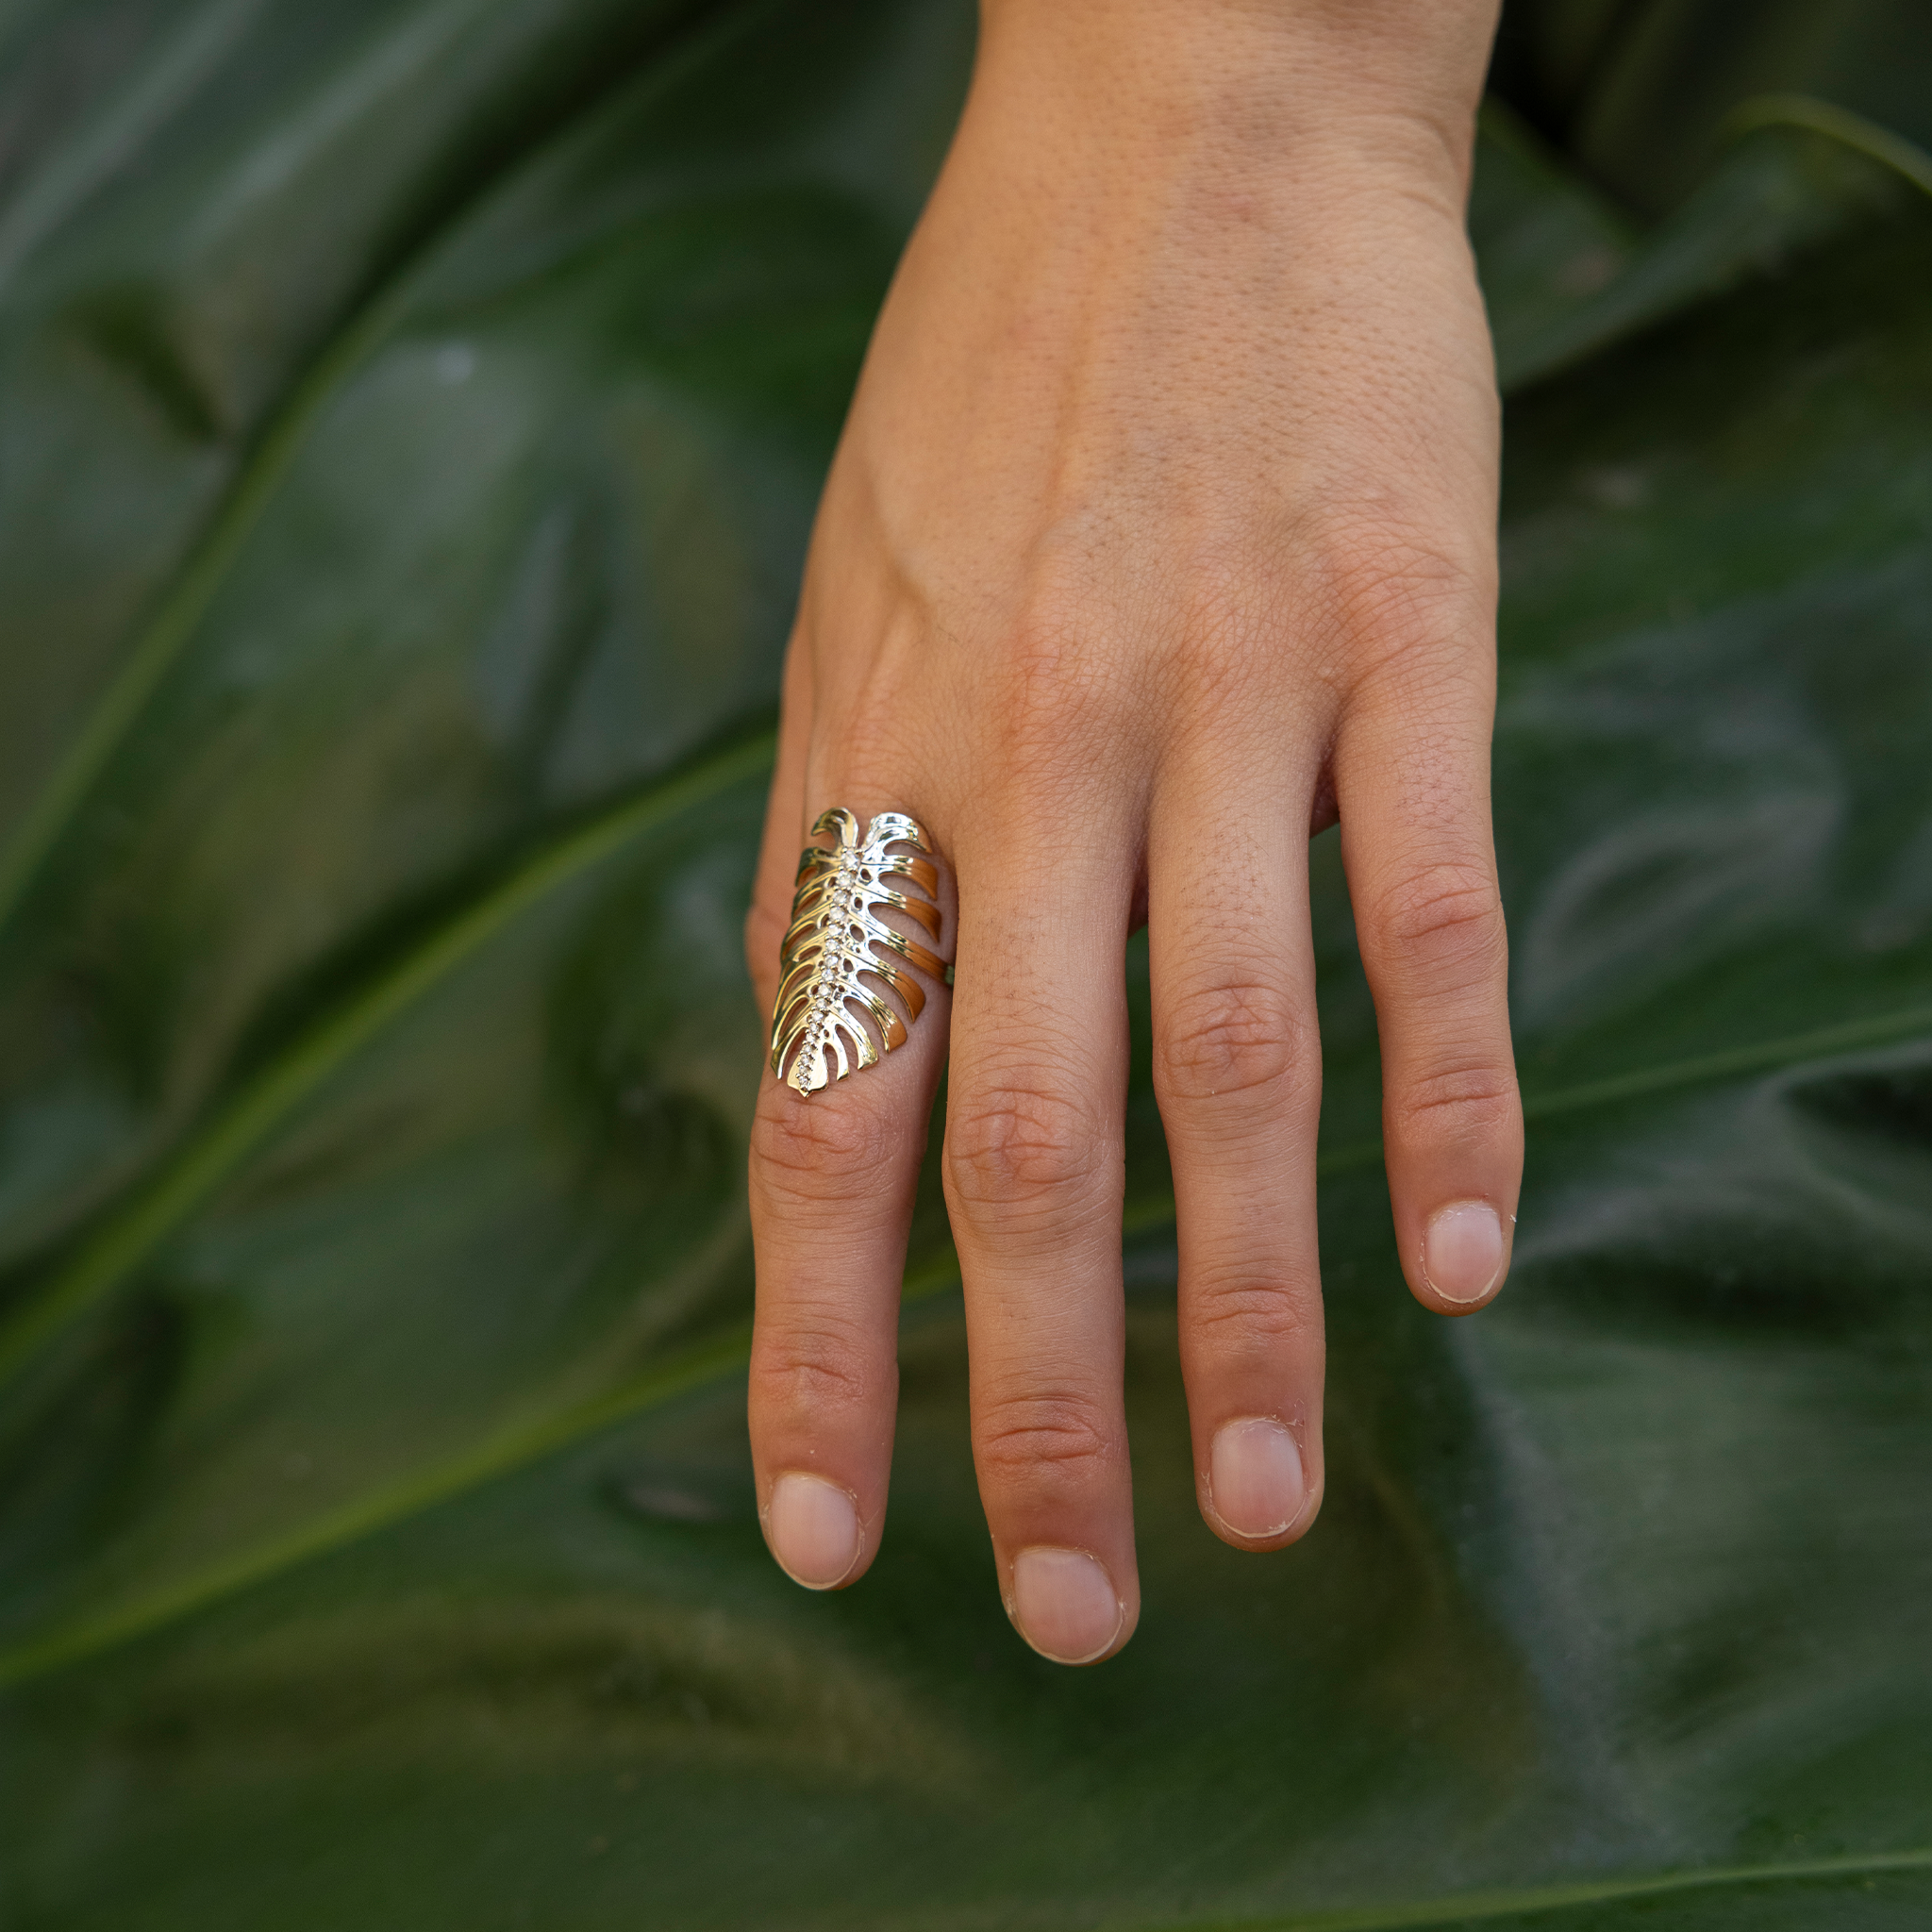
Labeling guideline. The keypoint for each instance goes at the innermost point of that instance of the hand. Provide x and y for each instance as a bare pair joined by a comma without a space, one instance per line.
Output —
1162,532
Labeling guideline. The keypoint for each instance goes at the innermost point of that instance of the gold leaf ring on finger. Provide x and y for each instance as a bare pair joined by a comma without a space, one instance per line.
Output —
819,1025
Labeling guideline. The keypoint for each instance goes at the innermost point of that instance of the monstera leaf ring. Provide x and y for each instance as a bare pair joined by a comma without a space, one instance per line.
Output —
819,1027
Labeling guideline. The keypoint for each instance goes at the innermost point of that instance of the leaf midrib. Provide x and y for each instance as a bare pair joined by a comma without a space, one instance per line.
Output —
130,1234
1474,1908
186,599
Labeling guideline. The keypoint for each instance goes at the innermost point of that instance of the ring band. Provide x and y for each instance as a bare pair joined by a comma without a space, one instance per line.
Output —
830,943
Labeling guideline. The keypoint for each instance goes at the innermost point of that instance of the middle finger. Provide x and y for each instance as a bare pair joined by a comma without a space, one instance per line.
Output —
1034,1185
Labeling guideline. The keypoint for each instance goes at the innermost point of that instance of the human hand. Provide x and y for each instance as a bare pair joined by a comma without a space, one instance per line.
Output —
1161,533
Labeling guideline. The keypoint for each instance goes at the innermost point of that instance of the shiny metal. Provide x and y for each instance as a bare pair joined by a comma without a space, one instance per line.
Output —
816,1036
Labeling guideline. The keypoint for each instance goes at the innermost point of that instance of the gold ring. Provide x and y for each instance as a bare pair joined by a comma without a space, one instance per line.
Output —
829,943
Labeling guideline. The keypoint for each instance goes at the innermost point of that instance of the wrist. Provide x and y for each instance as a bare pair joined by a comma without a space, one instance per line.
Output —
1251,82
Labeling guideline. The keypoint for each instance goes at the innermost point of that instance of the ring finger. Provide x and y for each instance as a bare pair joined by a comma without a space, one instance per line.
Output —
1237,1072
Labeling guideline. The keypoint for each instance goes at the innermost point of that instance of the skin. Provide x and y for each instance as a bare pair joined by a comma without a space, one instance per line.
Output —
1161,534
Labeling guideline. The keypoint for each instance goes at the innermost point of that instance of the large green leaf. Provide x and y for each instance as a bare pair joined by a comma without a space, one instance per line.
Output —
512,600
1644,93
374,1519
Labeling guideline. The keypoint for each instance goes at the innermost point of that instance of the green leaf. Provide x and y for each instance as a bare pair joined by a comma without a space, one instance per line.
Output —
506,600
1642,93
1667,79
1798,173
375,1528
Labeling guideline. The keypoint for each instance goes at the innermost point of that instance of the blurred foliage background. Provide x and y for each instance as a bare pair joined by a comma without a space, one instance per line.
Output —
410,415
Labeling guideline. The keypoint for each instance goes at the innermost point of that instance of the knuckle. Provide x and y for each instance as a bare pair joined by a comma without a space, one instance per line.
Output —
1012,1146
1469,1102
1222,626
814,1150
1059,698
874,743
800,1371
1253,1315
1058,1434
1447,914
1234,1039
1387,590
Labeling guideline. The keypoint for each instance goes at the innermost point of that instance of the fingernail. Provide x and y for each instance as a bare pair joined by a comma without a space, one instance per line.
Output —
1065,1604
1255,1477
1462,1250
813,1526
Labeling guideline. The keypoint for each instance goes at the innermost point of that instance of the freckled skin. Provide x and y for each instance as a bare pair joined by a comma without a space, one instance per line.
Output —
1162,532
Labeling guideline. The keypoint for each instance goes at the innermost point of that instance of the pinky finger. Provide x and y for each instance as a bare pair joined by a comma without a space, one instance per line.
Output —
1423,875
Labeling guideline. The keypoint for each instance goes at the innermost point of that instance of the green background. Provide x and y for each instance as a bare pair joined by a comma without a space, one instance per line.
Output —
410,415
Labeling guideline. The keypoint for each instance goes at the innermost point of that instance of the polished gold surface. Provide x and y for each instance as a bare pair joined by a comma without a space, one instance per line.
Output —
833,939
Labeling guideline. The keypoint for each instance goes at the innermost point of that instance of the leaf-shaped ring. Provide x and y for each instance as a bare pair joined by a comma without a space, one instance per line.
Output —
830,943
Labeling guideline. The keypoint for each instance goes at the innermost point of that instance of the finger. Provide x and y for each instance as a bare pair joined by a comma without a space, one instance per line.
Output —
1238,1074
785,817
832,1180
1412,779
1034,1179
